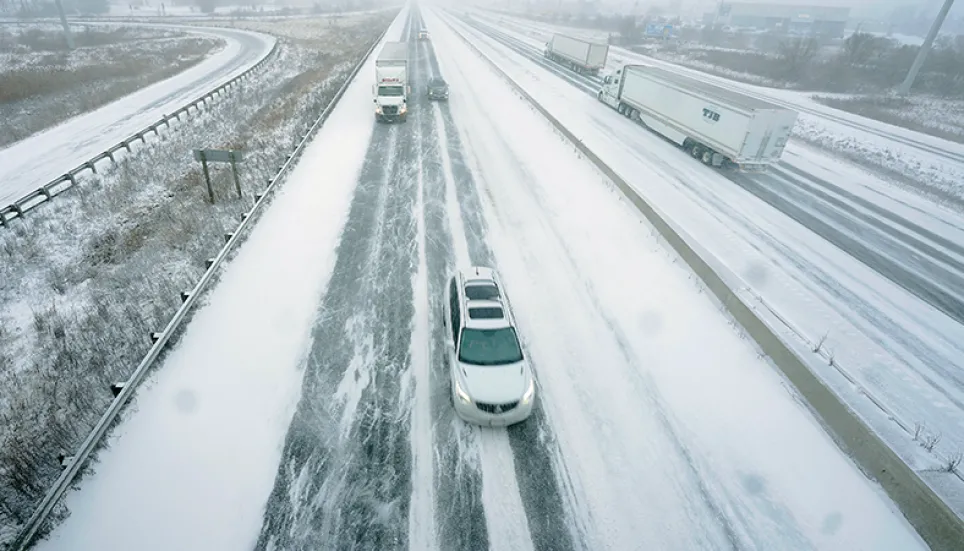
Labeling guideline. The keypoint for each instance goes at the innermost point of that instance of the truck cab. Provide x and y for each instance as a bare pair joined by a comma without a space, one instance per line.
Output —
391,99
609,91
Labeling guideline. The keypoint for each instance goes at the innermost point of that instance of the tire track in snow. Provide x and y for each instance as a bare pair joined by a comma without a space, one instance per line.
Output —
532,443
422,529
345,477
460,516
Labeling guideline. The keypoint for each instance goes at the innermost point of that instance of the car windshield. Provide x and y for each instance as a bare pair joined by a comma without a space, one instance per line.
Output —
490,347
391,91
437,83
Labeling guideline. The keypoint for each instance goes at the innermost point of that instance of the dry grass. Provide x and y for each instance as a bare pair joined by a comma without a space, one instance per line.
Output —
44,85
102,267
907,113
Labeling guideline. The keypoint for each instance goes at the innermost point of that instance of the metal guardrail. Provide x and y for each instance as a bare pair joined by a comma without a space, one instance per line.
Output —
58,185
935,521
127,389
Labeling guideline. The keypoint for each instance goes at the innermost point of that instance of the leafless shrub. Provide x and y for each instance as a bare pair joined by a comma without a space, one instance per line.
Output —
953,462
817,347
930,441
797,54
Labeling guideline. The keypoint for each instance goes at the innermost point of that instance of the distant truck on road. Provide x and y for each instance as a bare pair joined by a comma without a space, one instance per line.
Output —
720,127
391,88
579,55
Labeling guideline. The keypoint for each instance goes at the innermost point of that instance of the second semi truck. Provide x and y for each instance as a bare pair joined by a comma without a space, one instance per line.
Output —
720,127
391,89
579,55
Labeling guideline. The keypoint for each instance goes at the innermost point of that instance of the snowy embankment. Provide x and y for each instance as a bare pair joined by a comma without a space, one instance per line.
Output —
45,84
210,426
927,164
873,339
617,368
88,277
32,162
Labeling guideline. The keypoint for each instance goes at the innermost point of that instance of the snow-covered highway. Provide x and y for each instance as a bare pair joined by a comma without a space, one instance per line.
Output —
306,405
829,248
537,33
30,163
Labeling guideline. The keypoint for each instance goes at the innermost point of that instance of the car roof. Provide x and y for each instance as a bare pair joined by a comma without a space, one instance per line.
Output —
437,80
478,275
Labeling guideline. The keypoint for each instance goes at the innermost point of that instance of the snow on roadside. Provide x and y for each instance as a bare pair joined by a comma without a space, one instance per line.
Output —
609,320
930,175
191,468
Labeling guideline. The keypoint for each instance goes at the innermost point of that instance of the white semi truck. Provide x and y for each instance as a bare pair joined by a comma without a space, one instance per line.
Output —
391,88
579,55
720,127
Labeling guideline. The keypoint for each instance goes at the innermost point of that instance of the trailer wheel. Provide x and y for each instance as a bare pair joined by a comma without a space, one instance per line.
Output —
599,95
697,151
707,157
620,108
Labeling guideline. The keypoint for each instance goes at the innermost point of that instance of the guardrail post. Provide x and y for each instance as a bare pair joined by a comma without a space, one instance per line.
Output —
208,263
141,137
155,336
228,236
184,296
116,388
110,154
3,219
259,196
90,165
45,192
64,459
18,210
127,145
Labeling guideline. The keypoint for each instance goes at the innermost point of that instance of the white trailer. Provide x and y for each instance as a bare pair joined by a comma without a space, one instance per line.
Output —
718,126
391,89
579,55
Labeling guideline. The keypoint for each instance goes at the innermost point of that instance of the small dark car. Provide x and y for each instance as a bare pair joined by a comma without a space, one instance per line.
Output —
438,89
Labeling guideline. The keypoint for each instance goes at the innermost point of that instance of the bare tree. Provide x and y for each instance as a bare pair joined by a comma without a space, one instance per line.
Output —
798,53
860,48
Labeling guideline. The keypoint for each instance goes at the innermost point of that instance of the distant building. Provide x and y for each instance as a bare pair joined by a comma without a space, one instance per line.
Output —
809,20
